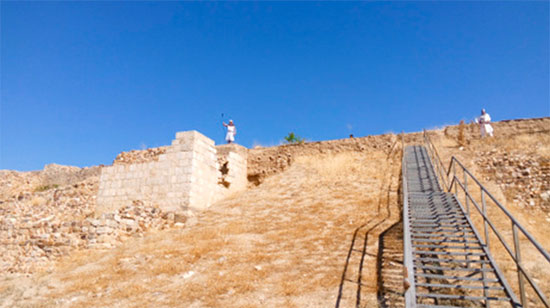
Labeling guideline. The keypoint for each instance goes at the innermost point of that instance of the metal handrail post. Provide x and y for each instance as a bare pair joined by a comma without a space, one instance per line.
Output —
456,186
465,194
454,176
517,248
484,206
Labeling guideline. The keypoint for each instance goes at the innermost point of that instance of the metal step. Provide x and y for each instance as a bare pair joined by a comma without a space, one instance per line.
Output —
417,235
442,228
425,240
458,286
446,277
445,268
465,297
443,240
444,260
436,306
445,246
447,253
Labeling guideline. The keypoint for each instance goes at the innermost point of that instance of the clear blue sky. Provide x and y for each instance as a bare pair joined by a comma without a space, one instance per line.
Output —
83,81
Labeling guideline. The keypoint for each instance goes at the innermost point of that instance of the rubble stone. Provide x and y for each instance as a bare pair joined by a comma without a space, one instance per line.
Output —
37,226
525,179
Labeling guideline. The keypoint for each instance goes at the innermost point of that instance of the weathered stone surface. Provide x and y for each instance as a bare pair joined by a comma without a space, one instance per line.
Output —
525,179
39,223
139,156
54,174
184,175
264,162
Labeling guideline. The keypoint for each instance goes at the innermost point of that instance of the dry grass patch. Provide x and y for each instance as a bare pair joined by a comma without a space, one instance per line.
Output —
283,243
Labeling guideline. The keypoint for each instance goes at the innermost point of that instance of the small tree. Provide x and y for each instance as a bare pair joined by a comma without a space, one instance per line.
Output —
293,138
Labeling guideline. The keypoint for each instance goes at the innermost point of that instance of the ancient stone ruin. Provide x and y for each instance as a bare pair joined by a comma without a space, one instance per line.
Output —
192,173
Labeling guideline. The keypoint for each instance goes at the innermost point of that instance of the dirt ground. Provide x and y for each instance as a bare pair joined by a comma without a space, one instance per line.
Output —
306,237
319,227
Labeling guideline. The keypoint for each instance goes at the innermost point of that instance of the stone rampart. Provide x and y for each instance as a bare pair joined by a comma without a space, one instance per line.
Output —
187,176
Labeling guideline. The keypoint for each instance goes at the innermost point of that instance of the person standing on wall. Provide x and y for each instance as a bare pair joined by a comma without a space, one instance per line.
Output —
231,131
484,121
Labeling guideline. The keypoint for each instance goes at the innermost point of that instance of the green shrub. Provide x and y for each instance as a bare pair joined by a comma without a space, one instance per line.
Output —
293,138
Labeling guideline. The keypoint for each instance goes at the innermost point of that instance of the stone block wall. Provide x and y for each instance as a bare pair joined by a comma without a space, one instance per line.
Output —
185,177
232,167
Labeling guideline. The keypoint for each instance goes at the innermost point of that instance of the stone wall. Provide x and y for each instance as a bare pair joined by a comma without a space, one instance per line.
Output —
264,162
524,178
232,167
139,156
502,128
186,176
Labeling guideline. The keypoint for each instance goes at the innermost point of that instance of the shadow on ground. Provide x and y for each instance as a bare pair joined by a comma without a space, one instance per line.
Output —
372,274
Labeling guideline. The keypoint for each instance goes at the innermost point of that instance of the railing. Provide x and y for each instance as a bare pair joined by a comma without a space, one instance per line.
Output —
408,270
452,181
440,170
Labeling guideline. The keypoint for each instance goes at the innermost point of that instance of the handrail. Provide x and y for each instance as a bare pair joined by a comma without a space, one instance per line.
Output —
505,245
514,221
408,270
440,168
515,254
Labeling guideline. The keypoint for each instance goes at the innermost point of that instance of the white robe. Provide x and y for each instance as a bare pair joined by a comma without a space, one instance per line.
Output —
485,125
231,131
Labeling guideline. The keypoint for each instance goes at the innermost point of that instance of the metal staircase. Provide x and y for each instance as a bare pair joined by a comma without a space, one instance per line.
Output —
446,261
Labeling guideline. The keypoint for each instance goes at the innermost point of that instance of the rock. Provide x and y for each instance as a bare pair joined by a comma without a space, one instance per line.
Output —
139,156
522,176
40,224
103,230
188,274
179,218
128,222
111,223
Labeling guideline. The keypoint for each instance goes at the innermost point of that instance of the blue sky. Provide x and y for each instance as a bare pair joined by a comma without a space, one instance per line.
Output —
83,81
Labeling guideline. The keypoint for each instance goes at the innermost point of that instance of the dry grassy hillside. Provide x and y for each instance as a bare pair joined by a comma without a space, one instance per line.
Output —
319,227
283,243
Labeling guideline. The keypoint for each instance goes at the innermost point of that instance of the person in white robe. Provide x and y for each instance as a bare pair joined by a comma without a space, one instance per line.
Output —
231,131
484,121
